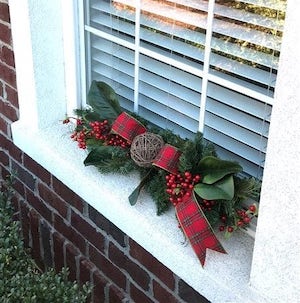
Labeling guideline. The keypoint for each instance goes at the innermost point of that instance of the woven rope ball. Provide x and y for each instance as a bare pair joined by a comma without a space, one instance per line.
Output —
144,148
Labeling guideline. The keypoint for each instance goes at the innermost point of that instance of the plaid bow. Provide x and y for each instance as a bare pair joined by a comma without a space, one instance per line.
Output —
168,158
196,228
191,217
127,127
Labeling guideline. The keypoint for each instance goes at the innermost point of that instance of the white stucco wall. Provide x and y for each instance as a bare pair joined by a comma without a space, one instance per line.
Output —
276,262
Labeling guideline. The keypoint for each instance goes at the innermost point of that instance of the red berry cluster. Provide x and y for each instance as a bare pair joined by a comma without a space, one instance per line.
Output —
242,218
79,135
207,205
179,186
100,130
96,130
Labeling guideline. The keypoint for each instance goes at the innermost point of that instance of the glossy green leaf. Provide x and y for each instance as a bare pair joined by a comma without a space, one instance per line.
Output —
104,101
214,169
221,190
99,154
135,194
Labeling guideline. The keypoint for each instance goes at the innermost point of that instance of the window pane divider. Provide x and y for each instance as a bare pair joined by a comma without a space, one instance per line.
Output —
137,56
208,38
240,88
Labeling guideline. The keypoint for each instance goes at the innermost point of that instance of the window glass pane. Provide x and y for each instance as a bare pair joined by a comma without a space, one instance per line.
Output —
191,65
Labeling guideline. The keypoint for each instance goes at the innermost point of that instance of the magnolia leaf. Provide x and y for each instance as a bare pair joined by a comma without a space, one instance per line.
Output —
214,169
104,101
221,190
99,154
135,194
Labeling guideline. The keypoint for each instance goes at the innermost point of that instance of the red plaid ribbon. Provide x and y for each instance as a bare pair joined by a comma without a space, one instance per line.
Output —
196,228
168,158
127,127
191,217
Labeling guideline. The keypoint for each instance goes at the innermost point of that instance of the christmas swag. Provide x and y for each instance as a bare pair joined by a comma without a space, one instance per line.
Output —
205,190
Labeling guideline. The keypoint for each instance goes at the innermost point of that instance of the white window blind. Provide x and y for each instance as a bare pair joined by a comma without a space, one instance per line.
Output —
191,65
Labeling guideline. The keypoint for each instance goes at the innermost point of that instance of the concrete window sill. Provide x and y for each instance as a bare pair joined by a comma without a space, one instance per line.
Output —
224,278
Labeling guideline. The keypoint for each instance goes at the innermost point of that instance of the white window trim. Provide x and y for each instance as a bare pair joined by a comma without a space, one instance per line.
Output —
45,56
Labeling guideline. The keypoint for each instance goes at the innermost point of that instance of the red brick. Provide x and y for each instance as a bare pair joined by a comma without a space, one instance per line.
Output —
108,268
87,231
69,233
46,243
107,226
139,296
58,251
86,269
8,146
115,295
19,187
189,295
12,96
8,111
4,12
39,205
37,169
5,34
99,286
7,56
24,209
53,200
152,264
4,159
8,74
139,275
71,256
34,220
24,176
67,194
3,126
162,295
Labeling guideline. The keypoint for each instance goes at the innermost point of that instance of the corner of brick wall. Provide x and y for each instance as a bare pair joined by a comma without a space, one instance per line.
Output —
63,230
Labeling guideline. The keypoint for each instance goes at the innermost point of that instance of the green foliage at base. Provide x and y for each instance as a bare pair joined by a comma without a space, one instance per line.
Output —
20,279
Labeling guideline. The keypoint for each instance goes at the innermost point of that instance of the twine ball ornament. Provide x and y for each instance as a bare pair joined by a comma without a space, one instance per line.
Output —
145,147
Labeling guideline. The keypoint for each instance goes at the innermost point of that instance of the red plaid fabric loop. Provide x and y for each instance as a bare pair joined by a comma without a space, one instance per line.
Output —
168,158
196,228
127,127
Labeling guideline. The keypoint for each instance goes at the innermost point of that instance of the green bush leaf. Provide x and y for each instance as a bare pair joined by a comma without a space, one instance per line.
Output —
104,101
214,169
221,190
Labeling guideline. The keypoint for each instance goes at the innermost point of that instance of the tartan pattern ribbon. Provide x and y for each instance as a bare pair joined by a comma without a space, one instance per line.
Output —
127,127
191,217
168,158
196,228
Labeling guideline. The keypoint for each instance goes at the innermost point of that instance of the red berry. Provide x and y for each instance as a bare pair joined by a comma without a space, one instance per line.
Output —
252,208
230,229
221,228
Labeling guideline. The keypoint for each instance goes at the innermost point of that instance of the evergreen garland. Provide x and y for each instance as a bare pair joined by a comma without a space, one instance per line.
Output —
220,192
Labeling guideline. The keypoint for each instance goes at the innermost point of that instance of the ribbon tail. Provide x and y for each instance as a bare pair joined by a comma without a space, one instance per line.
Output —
135,194
197,228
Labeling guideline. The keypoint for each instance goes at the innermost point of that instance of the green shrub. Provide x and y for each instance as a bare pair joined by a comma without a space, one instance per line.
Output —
21,281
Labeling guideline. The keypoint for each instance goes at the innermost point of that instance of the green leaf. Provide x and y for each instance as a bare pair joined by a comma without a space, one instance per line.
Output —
104,101
221,190
214,169
99,154
135,194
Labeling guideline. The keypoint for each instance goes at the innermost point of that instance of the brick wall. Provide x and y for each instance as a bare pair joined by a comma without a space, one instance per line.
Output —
63,230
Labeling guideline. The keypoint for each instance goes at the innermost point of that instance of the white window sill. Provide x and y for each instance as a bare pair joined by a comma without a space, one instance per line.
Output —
223,279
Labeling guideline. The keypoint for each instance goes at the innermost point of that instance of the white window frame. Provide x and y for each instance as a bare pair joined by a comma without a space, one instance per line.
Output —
45,57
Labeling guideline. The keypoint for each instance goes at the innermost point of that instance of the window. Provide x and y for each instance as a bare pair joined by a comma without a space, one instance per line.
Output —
191,66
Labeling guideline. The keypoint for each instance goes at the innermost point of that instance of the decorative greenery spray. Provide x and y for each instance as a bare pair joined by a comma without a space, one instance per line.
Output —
216,183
